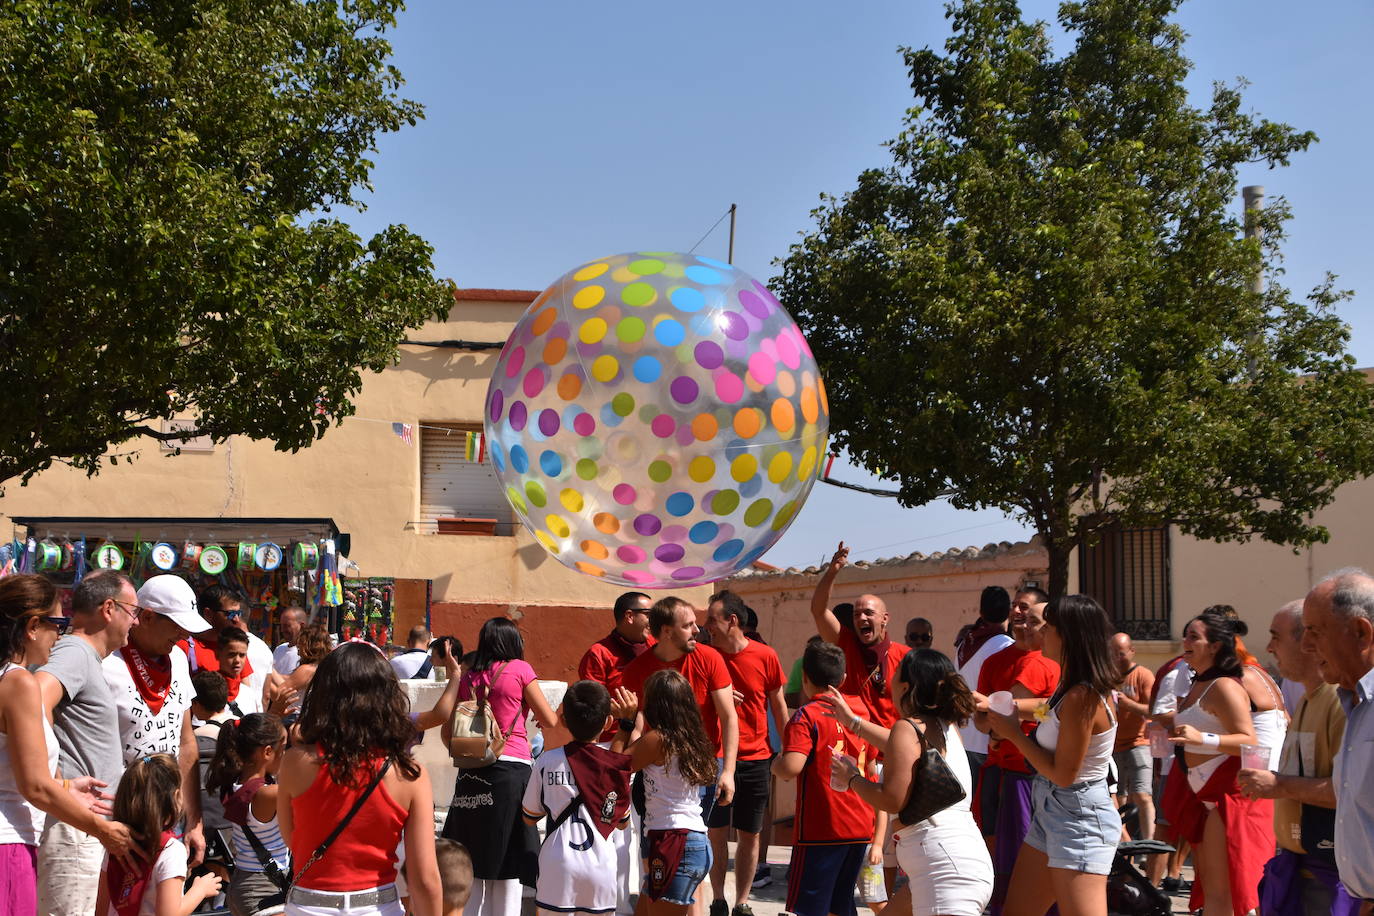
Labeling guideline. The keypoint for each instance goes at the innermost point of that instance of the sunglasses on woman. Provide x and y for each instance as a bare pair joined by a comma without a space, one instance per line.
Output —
63,624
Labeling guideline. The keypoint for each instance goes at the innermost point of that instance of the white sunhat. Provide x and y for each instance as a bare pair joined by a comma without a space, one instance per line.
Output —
171,596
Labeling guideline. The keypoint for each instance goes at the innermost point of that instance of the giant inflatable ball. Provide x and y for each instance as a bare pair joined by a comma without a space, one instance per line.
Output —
656,419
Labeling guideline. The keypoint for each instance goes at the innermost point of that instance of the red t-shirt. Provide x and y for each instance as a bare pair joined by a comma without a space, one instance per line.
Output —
1002,671
704,670
824,816
755,671
605,663
874,685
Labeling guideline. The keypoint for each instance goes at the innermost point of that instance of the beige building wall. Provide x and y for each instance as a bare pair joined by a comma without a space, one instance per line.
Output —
368,480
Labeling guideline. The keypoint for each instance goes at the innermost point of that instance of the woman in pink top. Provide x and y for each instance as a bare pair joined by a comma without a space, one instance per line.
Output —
485,816
354,721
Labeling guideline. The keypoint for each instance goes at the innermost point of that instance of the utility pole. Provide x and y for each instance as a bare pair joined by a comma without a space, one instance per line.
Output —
730,258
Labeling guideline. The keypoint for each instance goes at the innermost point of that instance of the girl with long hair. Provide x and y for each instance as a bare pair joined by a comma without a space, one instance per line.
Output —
31,620
355,750
944,854
148,803
1227,830
249,753
678,760
485,813
1071,844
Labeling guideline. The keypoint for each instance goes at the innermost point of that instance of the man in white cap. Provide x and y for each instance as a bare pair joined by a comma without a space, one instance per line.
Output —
150,678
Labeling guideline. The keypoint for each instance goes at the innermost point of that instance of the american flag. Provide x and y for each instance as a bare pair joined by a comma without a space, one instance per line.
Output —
403,430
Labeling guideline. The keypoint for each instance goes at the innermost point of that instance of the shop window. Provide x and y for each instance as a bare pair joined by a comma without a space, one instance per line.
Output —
459,492
1127,571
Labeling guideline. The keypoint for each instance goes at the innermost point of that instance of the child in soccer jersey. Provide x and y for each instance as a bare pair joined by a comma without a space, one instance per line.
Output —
584,790
833,829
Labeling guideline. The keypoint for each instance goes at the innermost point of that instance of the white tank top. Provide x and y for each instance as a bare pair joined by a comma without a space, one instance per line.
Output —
670,801
21,822
268,834
1099,754
1271,727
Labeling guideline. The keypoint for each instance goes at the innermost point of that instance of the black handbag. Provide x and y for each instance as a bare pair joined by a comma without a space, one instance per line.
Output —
934,787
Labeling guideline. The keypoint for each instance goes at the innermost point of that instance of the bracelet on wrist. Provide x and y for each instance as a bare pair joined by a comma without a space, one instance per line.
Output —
850,783
626,725
1211,739
854,724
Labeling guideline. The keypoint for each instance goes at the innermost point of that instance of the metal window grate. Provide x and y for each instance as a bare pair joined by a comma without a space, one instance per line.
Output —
1127,571
451,486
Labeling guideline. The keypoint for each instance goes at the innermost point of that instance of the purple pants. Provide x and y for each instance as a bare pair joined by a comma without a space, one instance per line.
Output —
18,879
1013,822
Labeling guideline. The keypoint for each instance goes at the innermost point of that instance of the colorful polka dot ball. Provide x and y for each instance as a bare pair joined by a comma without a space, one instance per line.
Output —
656,419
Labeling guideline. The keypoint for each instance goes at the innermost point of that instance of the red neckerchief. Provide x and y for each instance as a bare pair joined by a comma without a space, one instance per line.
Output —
236,682
603,780
127,887
151,675
972,637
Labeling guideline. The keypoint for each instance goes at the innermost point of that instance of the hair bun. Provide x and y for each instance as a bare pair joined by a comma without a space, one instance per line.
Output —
1241,627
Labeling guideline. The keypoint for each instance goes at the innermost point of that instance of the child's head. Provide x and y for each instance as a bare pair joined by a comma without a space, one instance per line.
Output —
148,800
822,667
257,738
232,651
212,693
455,874
670,708
586,707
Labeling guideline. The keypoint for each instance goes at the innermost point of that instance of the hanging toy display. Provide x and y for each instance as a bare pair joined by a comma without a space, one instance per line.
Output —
109,556
306,557
164,556
267,557
213,560
190,555
246,555
49,556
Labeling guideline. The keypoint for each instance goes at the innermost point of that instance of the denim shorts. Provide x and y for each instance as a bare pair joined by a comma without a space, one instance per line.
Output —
1076,827
691,869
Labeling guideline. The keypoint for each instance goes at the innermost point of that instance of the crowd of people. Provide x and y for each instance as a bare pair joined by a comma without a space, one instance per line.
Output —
162,758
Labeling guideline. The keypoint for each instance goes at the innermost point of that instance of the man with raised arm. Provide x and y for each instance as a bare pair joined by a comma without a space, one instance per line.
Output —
870,657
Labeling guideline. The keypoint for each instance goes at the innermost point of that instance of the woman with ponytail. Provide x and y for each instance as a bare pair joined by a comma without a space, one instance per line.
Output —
944,855
248,754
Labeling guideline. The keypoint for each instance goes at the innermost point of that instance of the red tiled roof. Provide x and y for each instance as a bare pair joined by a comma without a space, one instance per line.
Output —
496,295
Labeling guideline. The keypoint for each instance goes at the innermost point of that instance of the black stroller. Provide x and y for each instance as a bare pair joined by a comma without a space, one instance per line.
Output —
1129,893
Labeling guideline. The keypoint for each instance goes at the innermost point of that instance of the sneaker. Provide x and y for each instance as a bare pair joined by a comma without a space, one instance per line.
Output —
742,909
1170,886
763,876
719,908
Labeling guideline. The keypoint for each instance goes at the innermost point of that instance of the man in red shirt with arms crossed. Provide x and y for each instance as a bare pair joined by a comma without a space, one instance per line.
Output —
870,658
756,674
673,623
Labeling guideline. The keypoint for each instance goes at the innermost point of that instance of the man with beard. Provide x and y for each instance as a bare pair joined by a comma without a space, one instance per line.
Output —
673,623
1005,787
870,657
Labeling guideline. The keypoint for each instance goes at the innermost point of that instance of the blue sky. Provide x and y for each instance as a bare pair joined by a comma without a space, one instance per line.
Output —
556,133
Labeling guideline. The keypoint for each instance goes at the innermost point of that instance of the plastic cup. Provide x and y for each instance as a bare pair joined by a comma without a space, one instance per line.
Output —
1254,757
1160,747
1002,703
836,782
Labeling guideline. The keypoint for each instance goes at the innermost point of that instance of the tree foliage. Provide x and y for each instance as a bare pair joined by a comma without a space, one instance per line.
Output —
1043,304
166,175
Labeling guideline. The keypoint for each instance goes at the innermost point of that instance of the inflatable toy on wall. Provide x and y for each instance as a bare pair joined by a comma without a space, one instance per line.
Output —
656,419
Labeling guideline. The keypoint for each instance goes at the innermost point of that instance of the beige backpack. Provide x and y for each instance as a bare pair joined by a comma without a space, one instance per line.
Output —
477,740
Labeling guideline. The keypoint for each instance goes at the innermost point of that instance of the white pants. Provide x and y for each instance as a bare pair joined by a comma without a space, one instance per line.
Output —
68,870
494,897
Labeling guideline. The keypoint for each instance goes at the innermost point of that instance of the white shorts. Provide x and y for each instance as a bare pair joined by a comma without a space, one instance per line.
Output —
948,865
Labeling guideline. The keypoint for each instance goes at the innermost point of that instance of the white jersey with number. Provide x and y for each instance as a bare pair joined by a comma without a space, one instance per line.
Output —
577,866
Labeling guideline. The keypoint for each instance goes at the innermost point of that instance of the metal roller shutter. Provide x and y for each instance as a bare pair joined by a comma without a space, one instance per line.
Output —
451,486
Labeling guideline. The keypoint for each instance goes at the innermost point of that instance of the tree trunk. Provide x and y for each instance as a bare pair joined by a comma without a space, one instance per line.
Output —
1059,551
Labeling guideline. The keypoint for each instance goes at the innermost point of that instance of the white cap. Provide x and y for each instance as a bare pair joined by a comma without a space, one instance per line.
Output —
171,596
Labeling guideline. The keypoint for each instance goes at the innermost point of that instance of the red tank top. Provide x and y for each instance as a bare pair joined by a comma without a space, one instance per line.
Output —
364,855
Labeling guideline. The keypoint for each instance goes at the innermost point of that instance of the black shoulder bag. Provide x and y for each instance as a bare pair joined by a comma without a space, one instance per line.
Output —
934,787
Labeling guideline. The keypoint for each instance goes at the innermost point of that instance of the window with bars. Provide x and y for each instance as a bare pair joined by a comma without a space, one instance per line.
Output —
1127,571
459,491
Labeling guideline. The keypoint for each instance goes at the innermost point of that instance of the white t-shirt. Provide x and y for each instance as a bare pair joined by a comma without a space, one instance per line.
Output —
1173,687
140,732
285,659
250,691
577,866
171,863
975,742
409,662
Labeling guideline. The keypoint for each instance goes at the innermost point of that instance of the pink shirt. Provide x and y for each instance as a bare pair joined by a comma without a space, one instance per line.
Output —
507,699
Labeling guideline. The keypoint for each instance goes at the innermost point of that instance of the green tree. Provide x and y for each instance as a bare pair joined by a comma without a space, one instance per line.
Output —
1043,305
166,175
